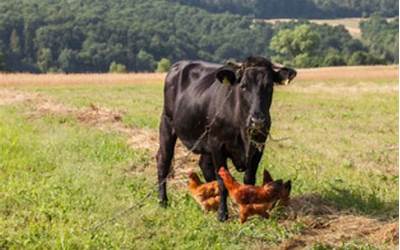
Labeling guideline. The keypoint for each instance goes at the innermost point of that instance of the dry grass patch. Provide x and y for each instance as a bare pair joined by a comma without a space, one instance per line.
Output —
354,74
331,227
23,79
349,75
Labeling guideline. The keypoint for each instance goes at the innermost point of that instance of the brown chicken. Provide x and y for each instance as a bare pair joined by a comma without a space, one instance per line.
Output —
207,194
284,196
251,199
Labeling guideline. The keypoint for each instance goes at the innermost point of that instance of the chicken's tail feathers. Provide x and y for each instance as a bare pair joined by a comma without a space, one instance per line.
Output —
267,178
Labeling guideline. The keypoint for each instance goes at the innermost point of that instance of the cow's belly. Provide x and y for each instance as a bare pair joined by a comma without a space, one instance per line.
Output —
191,134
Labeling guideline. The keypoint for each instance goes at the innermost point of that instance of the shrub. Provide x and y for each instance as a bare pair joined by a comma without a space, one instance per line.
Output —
163,65
117,68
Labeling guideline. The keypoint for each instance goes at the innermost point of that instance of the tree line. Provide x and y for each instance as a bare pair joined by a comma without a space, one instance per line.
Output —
267,9
139,35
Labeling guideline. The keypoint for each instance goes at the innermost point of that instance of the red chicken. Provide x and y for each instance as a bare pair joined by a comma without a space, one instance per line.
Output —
207,194
251,199
284,198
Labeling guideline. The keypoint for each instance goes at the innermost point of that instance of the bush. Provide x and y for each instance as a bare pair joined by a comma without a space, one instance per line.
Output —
117,68
363,58
145,61
333,58
163,65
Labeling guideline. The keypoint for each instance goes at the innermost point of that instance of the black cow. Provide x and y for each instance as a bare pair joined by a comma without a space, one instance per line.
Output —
232,103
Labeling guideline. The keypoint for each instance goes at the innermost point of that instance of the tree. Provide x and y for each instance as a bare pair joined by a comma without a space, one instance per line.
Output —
68,61
15,45
117,68
381,37
333,58
2,64
45,60
163,65
87,36
145,61
295,46
363,58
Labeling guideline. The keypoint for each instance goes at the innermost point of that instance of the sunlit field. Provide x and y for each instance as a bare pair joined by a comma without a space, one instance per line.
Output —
77,167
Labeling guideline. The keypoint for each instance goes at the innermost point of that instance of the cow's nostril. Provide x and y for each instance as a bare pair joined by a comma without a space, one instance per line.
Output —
257,121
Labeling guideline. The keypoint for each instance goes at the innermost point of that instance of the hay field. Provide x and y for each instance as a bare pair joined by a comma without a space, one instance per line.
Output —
77,166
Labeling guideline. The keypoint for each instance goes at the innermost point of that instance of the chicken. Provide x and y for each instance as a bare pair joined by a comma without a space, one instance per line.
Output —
207,194
251,199
284,196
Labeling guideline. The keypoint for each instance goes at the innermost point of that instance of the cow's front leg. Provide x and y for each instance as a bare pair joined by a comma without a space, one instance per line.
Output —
251,170
219,160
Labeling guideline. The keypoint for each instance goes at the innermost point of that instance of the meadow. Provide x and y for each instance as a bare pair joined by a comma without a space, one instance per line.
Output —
77,167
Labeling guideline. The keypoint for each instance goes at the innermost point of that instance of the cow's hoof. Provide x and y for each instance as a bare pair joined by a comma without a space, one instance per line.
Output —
163,203
222,217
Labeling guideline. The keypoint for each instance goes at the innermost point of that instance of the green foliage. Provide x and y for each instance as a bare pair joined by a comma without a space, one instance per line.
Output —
45,60
2,64
333,58
305,44
382,38
299,8
163,65
87,36
296,45
117,68
363,58
15,42
145,61
68,60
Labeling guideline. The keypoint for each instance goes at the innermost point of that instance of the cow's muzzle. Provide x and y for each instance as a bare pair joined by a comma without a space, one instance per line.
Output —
257,122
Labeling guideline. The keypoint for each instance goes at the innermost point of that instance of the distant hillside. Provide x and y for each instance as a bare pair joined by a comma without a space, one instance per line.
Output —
268,9
137,35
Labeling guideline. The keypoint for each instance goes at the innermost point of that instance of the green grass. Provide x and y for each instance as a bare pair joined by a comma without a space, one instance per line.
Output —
59,178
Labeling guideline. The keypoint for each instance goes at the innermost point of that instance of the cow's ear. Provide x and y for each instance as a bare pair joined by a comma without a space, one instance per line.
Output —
283,75
226,75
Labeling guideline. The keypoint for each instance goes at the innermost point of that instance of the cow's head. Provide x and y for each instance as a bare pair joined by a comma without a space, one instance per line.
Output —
254,80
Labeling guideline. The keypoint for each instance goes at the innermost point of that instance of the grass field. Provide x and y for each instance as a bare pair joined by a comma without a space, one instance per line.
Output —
77,168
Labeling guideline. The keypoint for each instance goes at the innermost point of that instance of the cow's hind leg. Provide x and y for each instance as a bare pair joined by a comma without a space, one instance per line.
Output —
164,157
207,167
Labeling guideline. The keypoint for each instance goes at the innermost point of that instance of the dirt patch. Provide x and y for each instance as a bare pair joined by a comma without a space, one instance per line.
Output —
338,230
327,225
8,97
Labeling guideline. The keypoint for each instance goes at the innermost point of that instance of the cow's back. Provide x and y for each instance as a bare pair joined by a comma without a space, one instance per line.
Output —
195,77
